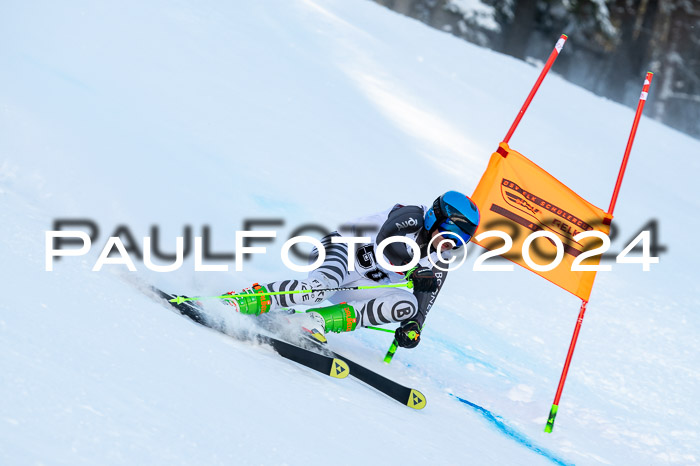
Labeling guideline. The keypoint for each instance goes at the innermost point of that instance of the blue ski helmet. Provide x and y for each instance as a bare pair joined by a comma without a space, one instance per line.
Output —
453,212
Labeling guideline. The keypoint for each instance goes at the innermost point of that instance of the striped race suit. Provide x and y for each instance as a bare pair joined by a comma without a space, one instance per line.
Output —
376,306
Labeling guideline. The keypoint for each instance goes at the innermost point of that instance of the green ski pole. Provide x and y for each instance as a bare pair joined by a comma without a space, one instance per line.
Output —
395,345
182,299
392,350
381,329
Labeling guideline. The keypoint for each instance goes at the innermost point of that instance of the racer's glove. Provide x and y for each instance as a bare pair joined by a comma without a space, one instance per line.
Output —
408,335
423,279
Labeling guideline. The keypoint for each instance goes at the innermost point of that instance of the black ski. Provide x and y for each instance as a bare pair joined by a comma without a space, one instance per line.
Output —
405,395
329,365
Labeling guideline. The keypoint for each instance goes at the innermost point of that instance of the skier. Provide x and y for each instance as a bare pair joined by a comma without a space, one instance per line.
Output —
449,224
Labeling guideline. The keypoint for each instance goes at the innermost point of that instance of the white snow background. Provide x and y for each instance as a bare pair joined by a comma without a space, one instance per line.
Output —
210,112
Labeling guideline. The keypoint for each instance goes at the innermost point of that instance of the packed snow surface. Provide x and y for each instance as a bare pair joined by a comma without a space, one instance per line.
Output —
209,113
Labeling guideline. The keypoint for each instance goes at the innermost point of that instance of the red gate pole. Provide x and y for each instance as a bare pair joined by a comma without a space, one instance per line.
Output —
630,141
582,311
555,405
550,61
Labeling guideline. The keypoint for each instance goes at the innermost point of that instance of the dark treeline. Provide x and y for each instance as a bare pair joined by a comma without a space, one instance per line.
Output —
612,44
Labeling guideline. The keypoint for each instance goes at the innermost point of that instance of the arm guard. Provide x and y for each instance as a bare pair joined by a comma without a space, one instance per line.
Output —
427,299
400,222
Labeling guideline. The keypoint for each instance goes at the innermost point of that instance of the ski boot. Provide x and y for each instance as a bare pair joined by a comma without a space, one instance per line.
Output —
337,318
259,304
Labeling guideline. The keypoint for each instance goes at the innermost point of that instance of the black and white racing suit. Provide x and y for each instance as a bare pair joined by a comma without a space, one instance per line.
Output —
377,306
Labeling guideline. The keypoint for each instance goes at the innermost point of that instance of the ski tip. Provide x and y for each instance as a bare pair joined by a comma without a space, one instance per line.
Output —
339,369
318,336
416,400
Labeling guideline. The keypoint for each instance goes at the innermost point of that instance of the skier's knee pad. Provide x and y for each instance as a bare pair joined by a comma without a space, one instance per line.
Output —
397,307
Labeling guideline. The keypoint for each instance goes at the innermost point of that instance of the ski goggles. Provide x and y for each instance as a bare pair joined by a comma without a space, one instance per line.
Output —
450,230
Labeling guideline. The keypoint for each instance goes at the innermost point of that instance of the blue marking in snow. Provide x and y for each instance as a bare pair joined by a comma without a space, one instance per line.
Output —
511,432
460,352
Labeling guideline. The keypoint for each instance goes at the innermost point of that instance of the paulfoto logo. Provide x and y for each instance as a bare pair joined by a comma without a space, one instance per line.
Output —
545,255
124,259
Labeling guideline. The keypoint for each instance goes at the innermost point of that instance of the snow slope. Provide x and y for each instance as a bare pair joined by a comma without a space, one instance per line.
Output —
210,113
